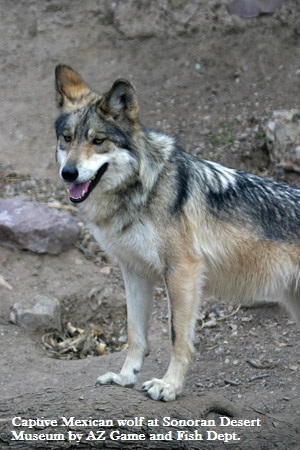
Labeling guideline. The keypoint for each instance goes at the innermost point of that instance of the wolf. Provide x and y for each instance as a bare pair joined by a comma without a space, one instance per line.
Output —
166,216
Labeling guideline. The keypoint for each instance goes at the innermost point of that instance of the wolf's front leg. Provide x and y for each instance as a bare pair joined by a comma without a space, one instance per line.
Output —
139,299
182,286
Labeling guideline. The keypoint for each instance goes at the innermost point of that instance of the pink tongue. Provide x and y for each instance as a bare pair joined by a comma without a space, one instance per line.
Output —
78,190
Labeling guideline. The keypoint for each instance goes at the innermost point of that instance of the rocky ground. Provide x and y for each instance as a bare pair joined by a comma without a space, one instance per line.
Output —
211,79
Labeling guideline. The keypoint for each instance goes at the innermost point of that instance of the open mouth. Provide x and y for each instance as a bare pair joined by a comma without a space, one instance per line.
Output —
80,191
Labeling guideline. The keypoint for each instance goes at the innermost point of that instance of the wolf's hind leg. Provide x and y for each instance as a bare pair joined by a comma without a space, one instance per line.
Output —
182,286
139,299
292,303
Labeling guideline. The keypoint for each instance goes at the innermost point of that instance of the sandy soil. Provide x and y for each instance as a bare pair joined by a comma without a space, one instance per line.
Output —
210,79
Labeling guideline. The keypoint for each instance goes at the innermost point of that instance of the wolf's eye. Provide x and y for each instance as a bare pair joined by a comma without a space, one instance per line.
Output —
98,141
67,137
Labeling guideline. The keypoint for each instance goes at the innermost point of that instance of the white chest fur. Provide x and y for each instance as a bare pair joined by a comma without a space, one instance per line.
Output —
136,247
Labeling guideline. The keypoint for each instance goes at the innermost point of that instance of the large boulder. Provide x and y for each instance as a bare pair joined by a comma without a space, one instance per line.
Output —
30,225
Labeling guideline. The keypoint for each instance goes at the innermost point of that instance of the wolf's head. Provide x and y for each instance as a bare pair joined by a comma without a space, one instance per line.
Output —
95,134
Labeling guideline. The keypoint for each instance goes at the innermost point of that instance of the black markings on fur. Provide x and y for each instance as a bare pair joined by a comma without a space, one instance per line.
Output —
118,136
88,118
173,332
60,124
171,314
261,204
84,122
182,179
172,325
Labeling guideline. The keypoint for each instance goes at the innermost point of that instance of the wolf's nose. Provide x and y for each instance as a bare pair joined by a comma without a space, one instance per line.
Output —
69,173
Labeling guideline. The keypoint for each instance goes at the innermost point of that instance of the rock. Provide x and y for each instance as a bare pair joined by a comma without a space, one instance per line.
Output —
247,9
283,137
37,313
106,270
30,225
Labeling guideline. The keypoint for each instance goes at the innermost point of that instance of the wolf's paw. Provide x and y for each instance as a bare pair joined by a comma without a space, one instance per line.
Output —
158,389
116,378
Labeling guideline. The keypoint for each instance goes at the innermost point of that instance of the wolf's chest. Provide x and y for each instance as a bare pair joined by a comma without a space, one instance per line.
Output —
136,247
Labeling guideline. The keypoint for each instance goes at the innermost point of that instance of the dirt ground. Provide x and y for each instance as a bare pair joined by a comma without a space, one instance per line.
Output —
211,79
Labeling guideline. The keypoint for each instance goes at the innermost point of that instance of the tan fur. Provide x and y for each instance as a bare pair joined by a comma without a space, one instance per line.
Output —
242,267
71,89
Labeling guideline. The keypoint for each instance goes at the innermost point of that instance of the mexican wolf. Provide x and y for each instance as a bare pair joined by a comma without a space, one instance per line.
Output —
164,214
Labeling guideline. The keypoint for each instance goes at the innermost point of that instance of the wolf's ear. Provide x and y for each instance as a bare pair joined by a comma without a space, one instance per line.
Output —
120,101
71,90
